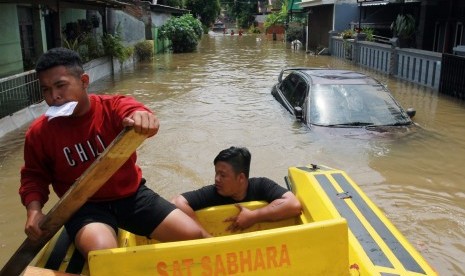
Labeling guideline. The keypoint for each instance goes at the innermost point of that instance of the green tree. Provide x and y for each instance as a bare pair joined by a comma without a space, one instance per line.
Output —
294,32
205,10
184,32
243,11
276,18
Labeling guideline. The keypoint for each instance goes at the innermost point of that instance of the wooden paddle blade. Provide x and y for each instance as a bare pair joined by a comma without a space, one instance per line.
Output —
111,159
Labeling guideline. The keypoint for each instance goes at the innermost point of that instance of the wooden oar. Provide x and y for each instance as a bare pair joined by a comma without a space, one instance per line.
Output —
111,159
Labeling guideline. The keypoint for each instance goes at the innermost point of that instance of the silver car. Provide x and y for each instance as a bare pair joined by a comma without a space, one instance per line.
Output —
339,98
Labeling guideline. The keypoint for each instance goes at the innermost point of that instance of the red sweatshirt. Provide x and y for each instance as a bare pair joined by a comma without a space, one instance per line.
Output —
58,151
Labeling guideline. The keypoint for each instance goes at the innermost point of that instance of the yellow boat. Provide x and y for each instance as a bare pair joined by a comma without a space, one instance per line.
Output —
340,232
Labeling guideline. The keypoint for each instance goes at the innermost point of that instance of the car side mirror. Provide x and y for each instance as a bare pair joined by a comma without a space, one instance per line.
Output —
411,112
298,112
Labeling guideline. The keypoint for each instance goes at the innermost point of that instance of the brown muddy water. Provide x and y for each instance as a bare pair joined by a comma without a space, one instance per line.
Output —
220,96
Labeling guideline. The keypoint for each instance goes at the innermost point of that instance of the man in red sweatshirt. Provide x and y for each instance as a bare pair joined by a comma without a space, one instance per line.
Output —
61,144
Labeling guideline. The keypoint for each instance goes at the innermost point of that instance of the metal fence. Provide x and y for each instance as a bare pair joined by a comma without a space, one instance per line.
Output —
19,91
417,66
452,80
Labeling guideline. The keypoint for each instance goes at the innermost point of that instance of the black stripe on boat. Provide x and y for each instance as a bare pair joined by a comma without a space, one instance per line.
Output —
59,251
370,246
393,243
372,249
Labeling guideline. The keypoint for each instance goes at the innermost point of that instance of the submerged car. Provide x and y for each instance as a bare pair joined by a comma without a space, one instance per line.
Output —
339,98
218,27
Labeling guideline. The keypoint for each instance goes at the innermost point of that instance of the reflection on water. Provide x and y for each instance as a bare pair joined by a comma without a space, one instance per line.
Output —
220,96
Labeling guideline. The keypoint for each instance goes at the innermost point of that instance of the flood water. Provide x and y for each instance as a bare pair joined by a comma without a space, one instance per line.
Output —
220,96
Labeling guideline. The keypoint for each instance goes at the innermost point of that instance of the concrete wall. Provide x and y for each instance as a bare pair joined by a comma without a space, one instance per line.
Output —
344,13
159,19
21,118
132,29
71,15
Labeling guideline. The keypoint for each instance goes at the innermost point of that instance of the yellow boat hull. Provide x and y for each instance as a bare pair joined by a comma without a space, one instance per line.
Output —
376,246
340,232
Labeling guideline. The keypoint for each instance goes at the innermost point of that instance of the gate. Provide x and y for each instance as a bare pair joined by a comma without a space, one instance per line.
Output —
452,81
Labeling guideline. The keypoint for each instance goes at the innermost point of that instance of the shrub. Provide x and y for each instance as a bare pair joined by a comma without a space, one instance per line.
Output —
254,30
295,32
144,50
184,33
403,26
369,33
114,47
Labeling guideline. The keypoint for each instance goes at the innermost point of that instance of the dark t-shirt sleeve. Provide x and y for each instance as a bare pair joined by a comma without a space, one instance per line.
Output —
206,197
259,189
262,188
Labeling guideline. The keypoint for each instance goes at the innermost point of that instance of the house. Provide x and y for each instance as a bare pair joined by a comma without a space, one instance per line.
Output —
30,27
324,16
439,23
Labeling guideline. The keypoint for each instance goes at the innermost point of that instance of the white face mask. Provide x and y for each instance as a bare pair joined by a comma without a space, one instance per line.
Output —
63,110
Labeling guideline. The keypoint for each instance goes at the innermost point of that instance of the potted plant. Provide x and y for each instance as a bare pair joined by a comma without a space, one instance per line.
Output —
347,35
404,29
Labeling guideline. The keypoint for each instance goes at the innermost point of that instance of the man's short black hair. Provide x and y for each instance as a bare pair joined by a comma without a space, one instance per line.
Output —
61,57
237,157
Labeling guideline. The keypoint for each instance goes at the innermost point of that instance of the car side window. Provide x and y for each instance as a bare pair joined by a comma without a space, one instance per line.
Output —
299,94
288,87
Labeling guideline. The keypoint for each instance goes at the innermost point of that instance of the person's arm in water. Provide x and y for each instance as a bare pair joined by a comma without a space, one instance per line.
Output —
182,203
282,208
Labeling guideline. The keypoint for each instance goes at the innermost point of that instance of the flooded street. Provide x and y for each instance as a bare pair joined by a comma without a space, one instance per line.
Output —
220,96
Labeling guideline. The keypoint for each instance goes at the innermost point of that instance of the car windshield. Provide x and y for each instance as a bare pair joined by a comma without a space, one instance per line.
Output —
354,105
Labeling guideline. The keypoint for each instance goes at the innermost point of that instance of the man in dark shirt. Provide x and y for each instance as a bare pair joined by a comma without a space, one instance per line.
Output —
233,185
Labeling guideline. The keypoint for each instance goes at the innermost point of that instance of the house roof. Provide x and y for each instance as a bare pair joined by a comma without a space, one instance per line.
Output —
117,4
314,3
103,3
168,9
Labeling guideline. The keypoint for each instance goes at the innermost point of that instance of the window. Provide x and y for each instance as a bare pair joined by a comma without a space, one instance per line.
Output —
299,94
458,34
437,37
288,87
26,34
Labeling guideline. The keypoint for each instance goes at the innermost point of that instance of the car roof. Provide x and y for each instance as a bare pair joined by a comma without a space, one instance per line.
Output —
334,76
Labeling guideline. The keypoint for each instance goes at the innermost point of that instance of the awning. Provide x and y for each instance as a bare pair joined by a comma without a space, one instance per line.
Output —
367,3
294,6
